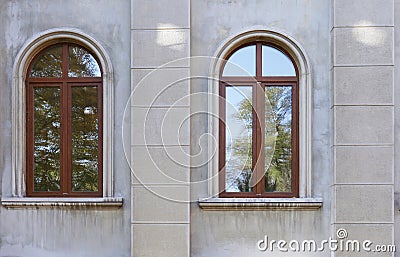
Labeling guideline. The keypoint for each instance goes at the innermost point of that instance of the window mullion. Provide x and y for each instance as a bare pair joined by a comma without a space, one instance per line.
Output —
295,140
65,144
258,61
68,171
65,61
254,138
100,140
65,125
222,136
29,140
259,127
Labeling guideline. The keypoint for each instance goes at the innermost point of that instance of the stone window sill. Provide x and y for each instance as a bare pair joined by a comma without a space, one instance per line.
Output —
260,204
36,202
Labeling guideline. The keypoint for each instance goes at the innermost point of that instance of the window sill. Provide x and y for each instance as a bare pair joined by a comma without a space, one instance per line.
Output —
36,202
260,204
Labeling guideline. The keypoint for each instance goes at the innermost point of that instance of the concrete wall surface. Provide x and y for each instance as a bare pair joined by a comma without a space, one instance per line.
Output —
64,231
363,144
396,125
236,233
162,53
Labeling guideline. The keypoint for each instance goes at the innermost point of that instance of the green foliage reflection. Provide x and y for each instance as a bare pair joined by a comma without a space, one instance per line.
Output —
279,171
48,64
85,136
278,159
46,139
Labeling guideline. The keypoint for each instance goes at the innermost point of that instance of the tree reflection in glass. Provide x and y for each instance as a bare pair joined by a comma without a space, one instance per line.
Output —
238,138
268,154
278,175
48,64
81,63
277,141
46,139
85,136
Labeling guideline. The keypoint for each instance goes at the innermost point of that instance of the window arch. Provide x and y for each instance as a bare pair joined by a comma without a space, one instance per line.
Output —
294,72
63,123
258,123
85,69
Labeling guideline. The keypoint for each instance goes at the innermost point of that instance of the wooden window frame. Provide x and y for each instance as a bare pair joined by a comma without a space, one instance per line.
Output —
65,84
258,84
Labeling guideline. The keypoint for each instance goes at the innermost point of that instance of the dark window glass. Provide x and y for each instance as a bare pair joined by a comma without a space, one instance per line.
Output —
48,64
46,139
85,138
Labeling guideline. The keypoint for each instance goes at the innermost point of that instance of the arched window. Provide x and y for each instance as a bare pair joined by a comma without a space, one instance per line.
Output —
64,123
259,122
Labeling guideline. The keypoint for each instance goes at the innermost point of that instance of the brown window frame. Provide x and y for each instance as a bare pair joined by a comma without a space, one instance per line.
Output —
65,84
258,84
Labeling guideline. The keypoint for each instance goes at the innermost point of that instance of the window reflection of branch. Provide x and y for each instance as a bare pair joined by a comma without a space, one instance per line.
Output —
278,175
82,63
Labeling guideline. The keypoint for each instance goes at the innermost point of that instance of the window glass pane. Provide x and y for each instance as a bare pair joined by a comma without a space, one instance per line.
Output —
242,62
276,63
46,153
48,65
81,63
238,133
85,138
278,122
